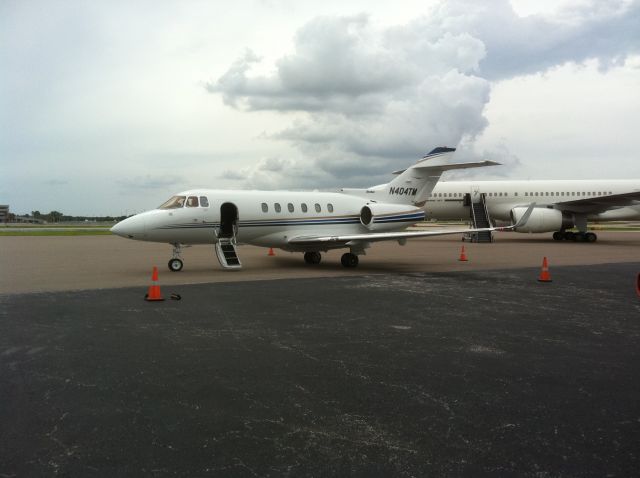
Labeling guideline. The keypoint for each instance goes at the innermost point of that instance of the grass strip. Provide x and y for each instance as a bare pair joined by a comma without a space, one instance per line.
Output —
97,232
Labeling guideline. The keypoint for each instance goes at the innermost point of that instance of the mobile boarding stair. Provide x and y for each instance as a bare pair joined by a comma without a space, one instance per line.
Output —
479,219
226,251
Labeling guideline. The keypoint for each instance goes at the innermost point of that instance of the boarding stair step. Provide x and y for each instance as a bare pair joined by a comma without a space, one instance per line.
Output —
480,220
227,254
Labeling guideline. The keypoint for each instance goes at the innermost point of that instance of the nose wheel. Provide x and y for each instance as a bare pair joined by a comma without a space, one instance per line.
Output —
176,264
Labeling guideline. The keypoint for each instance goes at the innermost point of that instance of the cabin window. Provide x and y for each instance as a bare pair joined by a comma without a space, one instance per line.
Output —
318,208
174,203
290,207
204,202
610,192
192,201
265,207
500,194
330,207
515,194
303,206
277,207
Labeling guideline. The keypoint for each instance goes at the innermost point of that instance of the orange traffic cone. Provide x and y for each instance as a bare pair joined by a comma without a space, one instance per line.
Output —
544,273
154,289
463,255
271,253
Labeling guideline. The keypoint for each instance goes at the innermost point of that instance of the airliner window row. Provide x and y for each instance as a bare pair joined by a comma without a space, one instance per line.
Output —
532,194
291,207
572,193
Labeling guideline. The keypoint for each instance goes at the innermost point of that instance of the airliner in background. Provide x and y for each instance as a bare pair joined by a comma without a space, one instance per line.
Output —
307,222
560,205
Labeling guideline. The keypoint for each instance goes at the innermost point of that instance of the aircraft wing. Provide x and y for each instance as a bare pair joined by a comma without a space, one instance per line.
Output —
598,204
346,239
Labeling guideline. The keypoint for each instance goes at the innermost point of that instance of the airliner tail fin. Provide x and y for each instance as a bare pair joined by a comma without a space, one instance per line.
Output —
414,184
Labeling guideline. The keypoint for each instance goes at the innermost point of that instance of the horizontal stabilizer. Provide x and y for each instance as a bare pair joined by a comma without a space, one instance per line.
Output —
441,164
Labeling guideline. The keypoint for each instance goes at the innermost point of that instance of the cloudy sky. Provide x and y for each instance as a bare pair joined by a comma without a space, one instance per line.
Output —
111,107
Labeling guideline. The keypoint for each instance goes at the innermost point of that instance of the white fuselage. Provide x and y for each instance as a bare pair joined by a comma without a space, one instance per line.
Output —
447,199
264,218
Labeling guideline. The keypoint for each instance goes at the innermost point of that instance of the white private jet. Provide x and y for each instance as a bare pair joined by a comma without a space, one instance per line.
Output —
561,205
307,222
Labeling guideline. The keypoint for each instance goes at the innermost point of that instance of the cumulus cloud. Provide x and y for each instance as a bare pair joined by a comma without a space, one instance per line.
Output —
364,96
367,100
607,31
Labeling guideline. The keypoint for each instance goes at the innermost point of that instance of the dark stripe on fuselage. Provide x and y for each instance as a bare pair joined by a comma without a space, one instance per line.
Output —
415,217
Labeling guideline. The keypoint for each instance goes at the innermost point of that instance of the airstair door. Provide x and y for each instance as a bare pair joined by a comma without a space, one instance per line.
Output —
226,244
475,194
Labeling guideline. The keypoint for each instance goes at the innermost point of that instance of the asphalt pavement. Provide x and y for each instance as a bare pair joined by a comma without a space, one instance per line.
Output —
479,373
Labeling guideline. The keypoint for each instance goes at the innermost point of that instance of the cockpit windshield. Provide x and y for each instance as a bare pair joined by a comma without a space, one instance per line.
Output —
174,203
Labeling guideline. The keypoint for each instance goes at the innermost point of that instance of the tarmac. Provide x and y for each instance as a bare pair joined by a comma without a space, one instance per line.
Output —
41,264
399,368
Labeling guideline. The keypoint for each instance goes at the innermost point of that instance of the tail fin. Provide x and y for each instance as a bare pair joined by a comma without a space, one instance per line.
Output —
414,184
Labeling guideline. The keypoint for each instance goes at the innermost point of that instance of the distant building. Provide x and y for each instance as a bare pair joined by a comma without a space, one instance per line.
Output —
4,213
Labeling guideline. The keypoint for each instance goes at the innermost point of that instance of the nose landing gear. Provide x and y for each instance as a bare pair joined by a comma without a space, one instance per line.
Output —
176,264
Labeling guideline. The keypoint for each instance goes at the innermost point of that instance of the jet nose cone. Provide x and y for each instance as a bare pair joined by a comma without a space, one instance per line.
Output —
131,228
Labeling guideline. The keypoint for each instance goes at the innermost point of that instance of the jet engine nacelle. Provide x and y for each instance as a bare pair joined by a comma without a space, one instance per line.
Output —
384,217
542,220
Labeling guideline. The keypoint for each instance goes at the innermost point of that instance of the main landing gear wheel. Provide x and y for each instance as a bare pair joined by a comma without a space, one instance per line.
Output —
312,257
585,237
575,236
175,265
349,260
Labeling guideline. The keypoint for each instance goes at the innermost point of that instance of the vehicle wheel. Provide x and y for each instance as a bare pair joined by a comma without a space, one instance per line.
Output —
590,237
570,236
175,265
312,257
349,260
558,236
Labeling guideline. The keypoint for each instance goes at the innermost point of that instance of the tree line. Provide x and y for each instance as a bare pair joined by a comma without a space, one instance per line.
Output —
57,216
